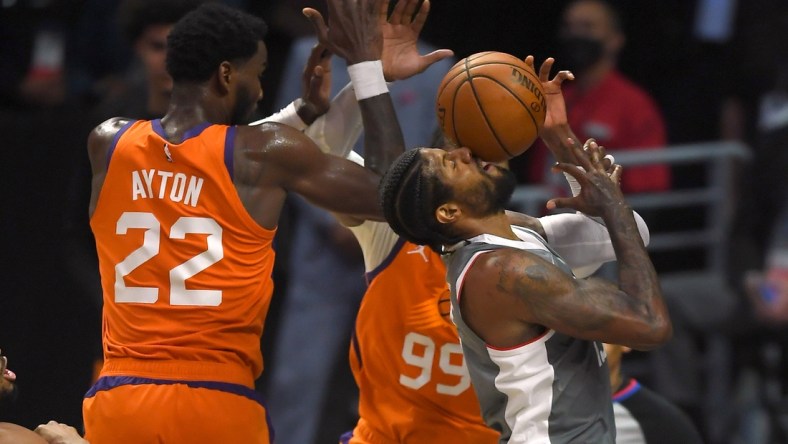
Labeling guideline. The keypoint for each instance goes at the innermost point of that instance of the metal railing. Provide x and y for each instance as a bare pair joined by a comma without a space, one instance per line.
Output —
715,195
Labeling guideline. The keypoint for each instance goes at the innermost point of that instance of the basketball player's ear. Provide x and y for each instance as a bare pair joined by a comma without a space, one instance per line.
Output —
225,75
448,213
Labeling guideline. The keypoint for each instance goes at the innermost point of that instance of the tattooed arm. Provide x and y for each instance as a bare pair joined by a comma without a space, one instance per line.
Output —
509,294
523,291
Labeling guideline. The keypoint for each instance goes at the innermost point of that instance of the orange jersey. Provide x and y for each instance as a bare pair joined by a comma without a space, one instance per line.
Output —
185,270
407,359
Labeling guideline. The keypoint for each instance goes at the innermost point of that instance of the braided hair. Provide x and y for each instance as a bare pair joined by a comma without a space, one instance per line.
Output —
208,36
409,196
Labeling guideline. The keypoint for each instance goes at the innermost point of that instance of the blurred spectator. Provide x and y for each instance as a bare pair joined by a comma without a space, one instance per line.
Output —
326,274
601,102
145,25
33,52
643,416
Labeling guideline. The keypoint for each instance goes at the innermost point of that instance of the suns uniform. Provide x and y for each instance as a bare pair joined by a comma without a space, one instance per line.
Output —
405,354
186,277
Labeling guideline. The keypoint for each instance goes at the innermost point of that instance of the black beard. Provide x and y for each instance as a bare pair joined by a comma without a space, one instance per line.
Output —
495,194
244,108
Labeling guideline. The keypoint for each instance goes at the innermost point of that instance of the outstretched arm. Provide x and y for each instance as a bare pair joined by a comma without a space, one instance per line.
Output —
556,129
535,291
355,34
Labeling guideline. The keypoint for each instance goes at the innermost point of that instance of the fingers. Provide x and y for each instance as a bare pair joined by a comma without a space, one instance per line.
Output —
421,17
608,162
435,56
398,13
615,176
529,61
581,154
314,59
544,70
572,170
410,10
594,153
561,202
563,75
316,19
383,12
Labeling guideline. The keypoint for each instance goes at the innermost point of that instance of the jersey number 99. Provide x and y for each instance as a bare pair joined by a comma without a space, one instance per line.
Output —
419,351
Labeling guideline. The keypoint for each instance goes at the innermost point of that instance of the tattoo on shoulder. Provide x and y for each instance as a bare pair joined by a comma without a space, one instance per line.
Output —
536,272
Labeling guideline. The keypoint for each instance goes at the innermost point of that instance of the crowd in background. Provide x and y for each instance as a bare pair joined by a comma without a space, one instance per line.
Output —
715,70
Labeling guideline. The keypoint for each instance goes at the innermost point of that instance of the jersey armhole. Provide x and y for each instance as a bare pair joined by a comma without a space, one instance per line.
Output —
116,139
229,150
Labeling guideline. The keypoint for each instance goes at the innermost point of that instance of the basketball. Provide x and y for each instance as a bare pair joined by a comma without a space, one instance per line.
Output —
492,103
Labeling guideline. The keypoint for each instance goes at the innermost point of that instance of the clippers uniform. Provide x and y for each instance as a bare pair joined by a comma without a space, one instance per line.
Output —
186,277
553,389
405,354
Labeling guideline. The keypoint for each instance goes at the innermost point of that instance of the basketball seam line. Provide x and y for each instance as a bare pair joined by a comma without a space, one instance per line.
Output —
486,119
446,82
525,105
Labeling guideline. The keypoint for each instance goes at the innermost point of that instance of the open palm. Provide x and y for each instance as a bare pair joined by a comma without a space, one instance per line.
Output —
401,58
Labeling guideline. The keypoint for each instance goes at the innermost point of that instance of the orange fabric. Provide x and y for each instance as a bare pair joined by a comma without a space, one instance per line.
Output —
185,230
427,399
172,414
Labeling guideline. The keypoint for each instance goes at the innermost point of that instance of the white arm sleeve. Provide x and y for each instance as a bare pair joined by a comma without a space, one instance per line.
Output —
584,242
286,115
376,239
336,131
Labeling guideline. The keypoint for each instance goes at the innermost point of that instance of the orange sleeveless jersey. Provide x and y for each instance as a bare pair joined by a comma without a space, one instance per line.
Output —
407,360
186,271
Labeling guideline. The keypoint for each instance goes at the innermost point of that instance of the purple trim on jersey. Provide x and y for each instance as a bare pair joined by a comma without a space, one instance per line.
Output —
356,347
110,382
229,149
190,133
623,394
116,139
370,275
345,438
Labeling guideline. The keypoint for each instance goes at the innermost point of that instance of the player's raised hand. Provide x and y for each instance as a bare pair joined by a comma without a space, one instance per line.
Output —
600,188
556,128
401,58
353,33
316,85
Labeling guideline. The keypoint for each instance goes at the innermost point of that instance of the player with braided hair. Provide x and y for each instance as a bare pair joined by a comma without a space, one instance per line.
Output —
405,353
530,329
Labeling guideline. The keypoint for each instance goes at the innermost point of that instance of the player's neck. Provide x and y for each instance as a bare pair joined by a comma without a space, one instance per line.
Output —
193,104
158,102
497,225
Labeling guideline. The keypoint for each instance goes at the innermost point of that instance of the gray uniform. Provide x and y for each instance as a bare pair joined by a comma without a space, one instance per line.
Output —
552,389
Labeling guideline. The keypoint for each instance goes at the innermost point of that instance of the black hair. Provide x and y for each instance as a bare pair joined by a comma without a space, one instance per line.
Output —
208,36
409,196
134,16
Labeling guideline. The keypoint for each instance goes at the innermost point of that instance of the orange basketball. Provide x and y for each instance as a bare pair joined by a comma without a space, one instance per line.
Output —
492,103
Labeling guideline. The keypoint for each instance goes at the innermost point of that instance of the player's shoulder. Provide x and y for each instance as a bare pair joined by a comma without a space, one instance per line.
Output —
494,258
269,137
106,130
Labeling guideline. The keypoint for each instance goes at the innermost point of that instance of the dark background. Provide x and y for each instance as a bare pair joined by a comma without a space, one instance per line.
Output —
50,326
